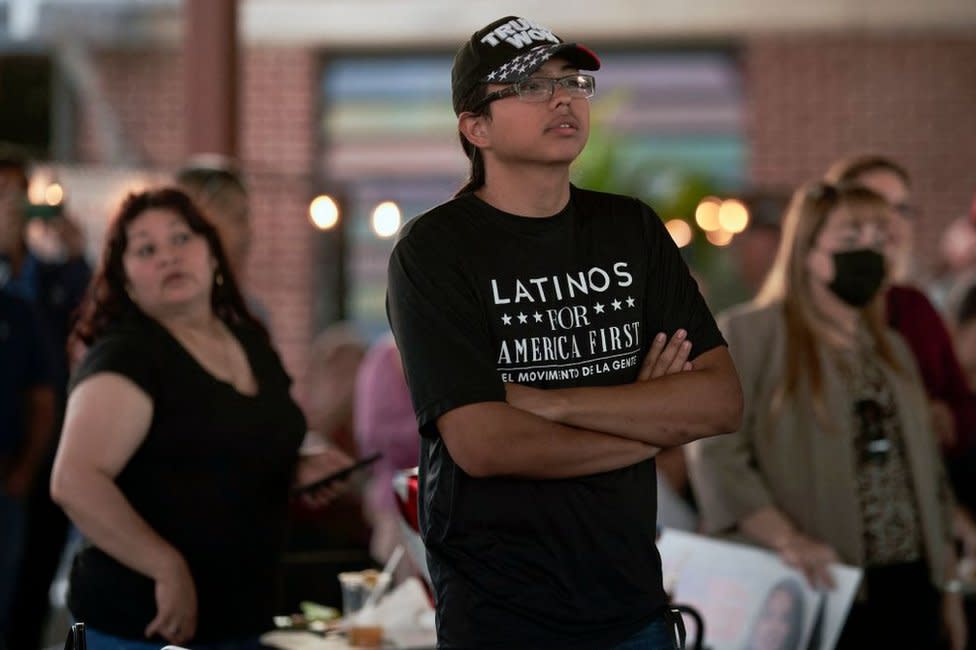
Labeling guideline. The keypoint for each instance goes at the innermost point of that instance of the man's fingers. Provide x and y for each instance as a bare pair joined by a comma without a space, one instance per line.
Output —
681,358
668,355
652,355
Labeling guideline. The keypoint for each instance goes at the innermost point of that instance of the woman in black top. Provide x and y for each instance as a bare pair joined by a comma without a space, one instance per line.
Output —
180,441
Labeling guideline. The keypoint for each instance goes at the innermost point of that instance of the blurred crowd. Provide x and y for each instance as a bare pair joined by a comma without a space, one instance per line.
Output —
857,358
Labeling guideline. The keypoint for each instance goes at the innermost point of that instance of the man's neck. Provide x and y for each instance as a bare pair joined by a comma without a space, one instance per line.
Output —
526,191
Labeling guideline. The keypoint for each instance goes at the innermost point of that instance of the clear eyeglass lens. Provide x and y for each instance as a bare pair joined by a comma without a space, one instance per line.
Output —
540,89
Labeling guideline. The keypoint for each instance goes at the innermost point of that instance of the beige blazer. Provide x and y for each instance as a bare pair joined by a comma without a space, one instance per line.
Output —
805,471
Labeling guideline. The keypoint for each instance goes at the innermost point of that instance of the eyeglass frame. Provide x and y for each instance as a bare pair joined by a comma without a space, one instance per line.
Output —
513,90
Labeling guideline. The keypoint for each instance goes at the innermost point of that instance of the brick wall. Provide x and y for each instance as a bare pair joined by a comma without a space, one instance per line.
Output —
277,89
811,99
278,92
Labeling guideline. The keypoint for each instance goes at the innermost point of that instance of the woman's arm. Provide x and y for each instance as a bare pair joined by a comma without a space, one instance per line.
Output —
773,529
106,420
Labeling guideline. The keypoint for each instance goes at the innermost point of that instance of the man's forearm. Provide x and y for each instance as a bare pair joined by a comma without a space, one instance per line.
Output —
667,411
496,439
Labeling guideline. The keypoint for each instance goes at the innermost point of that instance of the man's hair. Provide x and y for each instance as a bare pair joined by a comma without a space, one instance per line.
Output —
476,176
14,159
210,177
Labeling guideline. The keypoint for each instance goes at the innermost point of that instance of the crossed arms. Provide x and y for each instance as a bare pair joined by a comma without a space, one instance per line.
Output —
568,432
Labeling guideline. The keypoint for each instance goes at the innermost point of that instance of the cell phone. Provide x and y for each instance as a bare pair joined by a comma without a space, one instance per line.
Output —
343,473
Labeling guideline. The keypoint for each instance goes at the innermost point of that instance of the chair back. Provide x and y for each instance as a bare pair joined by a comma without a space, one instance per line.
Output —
76,638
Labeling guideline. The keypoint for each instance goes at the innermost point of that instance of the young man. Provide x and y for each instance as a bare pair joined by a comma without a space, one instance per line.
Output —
523,310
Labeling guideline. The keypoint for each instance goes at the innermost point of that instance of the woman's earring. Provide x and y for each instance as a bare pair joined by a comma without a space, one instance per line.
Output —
219,279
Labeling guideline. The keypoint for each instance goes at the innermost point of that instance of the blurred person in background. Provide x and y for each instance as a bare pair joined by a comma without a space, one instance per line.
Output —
958,248
909,312
755,248
217,186
180,443
964,331
836,459
907,309
27,414
49,270
385,424
328,395
334,359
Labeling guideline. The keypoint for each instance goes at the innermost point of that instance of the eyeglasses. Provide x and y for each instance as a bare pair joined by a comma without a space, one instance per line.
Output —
534,90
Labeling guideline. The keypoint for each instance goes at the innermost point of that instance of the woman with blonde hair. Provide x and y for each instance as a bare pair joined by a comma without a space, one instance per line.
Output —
835,460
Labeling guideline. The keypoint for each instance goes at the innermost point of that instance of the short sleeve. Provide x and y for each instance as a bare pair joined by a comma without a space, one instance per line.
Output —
125,352
673,296
440,329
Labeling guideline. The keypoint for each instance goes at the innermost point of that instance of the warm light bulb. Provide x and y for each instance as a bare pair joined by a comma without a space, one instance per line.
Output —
733,216
53,194
719,237
706,214
680,232
324,212
386,219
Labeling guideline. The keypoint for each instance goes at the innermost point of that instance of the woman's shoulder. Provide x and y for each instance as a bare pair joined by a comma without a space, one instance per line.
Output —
128,347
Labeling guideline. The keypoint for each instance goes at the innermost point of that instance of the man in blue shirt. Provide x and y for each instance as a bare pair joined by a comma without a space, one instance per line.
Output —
26,423
51,285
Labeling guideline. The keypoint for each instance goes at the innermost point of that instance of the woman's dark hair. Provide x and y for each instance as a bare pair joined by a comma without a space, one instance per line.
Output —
476,177
107,302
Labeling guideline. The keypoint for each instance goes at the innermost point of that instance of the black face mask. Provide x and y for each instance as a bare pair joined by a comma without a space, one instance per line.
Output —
858,275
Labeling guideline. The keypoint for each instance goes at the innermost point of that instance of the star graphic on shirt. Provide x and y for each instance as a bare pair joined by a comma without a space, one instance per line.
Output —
630,301
537,316
506,319
523,318
598,308
616,305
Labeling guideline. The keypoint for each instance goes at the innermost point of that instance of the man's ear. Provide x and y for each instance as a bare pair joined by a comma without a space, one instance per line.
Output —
473,127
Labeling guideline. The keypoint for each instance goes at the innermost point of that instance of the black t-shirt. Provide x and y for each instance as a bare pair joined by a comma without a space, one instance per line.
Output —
212,477
478,297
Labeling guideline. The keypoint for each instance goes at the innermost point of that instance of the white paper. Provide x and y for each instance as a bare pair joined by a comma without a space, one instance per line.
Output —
746,593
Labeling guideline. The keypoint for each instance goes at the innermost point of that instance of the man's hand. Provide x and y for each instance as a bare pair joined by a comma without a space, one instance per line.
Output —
663,358
666,357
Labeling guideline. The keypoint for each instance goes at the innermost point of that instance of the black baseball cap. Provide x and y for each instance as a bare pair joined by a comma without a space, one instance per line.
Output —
507,50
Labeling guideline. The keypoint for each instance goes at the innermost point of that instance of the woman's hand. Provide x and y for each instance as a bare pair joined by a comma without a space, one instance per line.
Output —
810,556
176,603
316,466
